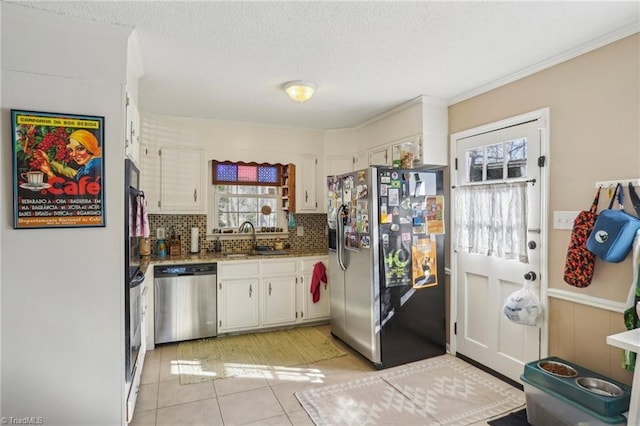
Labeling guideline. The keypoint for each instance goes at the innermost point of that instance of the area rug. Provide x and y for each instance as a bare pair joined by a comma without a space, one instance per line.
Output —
438,391
249,354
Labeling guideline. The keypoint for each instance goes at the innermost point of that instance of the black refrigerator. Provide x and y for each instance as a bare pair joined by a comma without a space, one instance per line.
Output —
386,263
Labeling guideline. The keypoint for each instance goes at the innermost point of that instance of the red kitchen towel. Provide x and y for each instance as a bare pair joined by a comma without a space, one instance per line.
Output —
319,274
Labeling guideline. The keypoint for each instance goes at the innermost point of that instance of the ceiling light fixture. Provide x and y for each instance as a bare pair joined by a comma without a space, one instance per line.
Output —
299,90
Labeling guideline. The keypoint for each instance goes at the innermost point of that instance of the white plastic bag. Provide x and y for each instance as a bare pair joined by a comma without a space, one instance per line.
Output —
523,306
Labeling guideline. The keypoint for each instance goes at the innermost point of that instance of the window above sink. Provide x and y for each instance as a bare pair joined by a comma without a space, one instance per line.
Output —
245,192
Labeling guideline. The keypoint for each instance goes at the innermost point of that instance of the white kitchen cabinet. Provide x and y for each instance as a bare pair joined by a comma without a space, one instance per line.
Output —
150,176
182,180
362,161
132,135
338,165
380,156
173,179
278,295
268,293
307,181
238,296
307,310
134,390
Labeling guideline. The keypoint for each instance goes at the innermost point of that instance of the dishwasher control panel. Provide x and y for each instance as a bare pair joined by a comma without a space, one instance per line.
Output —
185,269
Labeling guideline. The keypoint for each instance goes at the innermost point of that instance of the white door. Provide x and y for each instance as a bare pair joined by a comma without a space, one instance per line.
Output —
482,282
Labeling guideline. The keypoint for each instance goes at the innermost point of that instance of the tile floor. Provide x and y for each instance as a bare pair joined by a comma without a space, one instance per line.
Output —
266,399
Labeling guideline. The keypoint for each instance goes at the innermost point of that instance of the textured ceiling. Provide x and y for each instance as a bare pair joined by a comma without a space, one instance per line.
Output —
228,60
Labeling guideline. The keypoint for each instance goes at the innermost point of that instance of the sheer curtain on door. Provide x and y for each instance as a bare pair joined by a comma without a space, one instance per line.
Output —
491,219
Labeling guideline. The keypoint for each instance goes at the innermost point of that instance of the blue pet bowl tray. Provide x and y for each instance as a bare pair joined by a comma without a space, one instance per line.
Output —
607,406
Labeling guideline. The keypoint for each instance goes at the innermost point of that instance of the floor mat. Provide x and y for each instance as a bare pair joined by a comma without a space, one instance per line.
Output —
438,391
246,354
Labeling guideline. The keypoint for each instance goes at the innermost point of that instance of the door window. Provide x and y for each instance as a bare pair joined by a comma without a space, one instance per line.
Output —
497,162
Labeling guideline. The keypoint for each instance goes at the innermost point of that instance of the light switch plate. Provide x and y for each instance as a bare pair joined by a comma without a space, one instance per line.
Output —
160,234
564,219
300,231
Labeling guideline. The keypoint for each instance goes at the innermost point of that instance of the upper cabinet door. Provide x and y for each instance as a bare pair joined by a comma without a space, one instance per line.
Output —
182,188
380,157
338,165
132,132
308,181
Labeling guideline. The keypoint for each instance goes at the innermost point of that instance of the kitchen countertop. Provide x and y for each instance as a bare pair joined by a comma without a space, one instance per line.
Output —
203,257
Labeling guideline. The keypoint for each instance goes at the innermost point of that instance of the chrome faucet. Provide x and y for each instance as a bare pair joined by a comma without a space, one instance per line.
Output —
253,233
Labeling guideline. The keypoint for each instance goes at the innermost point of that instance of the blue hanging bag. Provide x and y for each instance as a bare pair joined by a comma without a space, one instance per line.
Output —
614,231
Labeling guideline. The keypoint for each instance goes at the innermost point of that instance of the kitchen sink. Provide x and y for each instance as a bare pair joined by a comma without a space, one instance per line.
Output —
255,253
235,255
270,252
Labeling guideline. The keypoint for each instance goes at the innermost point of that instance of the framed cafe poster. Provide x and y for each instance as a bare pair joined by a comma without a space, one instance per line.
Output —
58,172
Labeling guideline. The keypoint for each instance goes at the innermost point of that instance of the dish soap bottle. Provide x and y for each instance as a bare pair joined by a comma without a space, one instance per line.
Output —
292,221
217,246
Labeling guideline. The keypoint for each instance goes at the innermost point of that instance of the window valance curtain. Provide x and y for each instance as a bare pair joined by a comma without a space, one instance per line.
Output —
240,173
491,219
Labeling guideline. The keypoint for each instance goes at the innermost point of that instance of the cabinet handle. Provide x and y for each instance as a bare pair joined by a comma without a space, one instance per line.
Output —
220,285
195,195
269,289
250,289
306,196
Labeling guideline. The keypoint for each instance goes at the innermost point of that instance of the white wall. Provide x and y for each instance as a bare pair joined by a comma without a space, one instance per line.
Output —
63,289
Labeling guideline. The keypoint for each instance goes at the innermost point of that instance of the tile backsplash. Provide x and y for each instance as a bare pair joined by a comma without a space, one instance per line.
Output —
314,238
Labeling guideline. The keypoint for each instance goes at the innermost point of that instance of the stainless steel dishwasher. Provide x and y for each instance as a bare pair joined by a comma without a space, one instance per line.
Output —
185,302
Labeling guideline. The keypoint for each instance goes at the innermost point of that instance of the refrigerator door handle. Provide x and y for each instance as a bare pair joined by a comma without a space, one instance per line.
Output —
340,239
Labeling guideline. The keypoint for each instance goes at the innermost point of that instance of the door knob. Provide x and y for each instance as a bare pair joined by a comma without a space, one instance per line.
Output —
531,245
530,276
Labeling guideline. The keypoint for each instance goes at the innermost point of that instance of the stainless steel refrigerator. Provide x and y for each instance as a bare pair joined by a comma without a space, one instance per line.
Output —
386,263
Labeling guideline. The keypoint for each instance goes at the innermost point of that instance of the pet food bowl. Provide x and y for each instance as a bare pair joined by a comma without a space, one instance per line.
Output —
599,386
556,368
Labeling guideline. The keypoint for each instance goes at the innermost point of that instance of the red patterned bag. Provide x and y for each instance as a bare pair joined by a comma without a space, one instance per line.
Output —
578,266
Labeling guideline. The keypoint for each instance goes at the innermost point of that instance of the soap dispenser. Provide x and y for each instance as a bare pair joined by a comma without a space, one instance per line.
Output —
217,246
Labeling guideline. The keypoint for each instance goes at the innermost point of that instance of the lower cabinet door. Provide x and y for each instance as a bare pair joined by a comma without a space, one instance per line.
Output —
320,309
238,304
278,300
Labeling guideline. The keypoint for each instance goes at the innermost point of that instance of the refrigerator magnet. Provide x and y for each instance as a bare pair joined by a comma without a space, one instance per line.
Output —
362,192
393,197
383,189
365,223
365,242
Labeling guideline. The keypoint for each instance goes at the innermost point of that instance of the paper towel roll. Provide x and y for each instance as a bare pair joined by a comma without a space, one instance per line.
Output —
194,240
